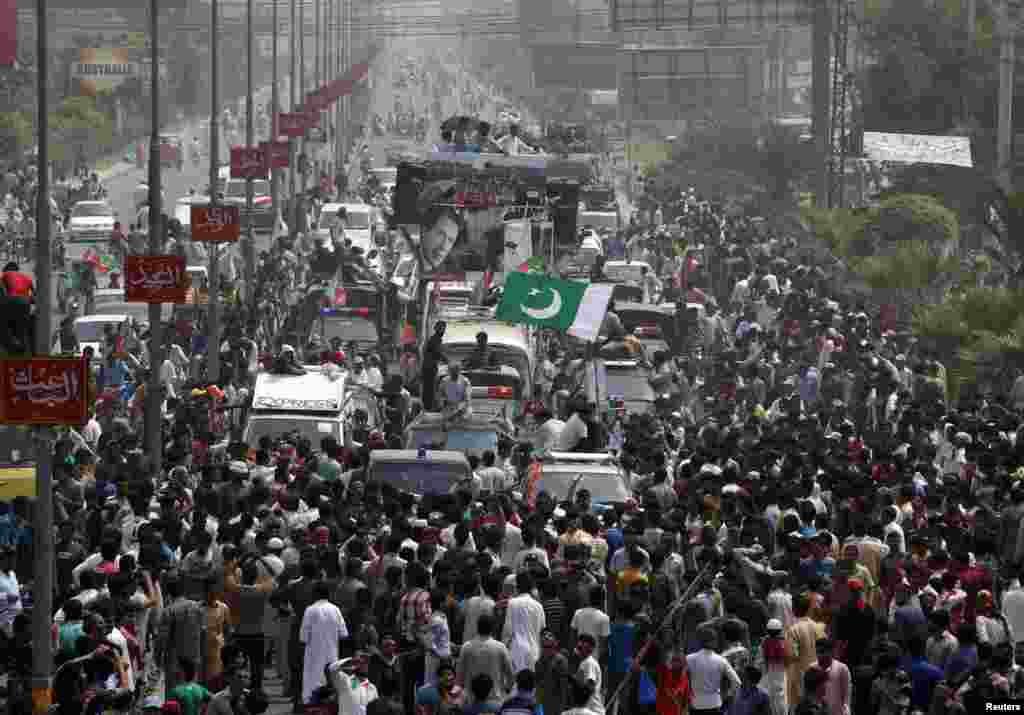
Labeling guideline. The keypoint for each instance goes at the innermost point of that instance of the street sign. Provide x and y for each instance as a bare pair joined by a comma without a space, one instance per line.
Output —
291,124
155,279
247,162
275,154
216,224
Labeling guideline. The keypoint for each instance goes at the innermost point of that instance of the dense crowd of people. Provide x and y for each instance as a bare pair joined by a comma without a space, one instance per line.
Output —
815,528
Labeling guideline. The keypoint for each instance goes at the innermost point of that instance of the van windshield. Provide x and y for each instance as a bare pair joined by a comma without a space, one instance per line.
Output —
471,441
423,478
313,430
93,332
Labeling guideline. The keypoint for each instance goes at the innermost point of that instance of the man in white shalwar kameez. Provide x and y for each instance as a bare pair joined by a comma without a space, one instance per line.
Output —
323,628
355,691
524,620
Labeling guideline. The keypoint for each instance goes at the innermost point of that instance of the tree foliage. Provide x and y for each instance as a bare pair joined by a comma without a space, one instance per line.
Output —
79,128
927,71
858,234
17,126
980,328
763,162
914,217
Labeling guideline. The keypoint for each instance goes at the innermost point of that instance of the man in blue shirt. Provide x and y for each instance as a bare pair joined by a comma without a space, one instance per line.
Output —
923,675
524,701
963,662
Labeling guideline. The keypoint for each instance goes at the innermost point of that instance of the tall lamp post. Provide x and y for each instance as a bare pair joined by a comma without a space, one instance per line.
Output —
250,239
275,104
154,396
293,208
214,250
42,652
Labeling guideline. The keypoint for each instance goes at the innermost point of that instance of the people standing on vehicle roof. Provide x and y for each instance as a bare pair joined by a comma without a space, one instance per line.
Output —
433,356
456,394
479,359
512,144
651,286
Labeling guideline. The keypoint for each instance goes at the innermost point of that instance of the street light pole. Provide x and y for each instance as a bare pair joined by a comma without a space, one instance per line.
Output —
154,390
293,208
250,141
339,129
42,649
317,76
213,304
302,80
275,103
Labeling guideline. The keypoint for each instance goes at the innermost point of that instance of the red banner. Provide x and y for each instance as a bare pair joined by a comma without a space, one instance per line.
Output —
315,101
331,92
291,124
155,279
8,32
476,199
216,224
275,154
44,391
247,163
312,120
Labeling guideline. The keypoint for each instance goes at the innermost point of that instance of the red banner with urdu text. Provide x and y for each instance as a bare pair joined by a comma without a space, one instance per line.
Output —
44,391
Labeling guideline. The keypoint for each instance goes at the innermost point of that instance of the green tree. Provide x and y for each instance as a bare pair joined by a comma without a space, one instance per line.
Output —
79,129
16,132
765,163
927,75
914,217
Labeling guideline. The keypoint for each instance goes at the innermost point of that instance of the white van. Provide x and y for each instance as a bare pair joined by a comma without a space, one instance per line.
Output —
310,404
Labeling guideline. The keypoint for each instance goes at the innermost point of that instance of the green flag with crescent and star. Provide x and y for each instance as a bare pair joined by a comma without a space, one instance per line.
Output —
567,306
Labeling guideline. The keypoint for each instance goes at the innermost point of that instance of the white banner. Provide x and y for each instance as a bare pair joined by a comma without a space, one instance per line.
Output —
918,149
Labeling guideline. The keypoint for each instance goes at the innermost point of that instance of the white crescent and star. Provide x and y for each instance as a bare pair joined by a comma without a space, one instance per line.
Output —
544,313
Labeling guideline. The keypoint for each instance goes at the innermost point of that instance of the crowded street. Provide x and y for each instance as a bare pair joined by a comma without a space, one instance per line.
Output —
539,396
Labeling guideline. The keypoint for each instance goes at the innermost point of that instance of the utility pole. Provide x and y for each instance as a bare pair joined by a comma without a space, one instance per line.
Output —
293,207
275,103
317,78
820,91
154,390
42,621
302,83
330,77
971,19
339,129
1004,139
213,306
346,116
249,248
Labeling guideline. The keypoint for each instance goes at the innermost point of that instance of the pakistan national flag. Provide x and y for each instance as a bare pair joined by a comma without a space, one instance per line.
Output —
568,306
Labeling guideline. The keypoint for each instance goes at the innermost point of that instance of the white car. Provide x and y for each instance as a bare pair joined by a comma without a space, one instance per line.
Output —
90,330
91,221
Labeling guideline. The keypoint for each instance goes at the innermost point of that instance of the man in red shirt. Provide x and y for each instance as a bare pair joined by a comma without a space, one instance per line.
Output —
19,291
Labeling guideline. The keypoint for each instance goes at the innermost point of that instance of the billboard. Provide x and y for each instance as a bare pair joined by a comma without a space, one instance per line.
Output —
101,69
585,66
